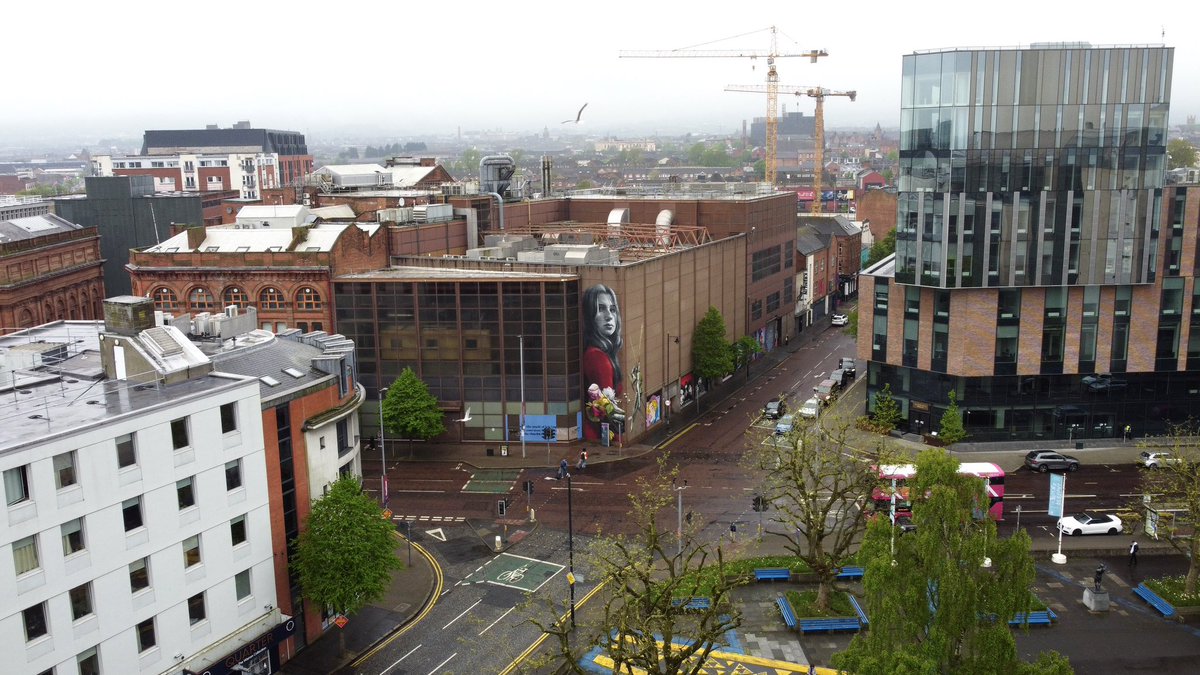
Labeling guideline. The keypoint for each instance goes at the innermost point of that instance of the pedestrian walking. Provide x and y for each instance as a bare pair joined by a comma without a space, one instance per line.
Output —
582,460
1133,549
562,469
1128,432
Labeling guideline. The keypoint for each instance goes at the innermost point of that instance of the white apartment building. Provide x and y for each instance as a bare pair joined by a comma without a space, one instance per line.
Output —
136,535
193,172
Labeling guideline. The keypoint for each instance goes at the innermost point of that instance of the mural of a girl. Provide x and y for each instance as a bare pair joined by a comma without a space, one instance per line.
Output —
601,365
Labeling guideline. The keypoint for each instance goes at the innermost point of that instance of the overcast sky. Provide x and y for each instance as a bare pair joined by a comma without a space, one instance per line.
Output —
404,68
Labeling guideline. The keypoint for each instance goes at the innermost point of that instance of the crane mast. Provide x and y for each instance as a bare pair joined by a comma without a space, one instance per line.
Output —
772,86
818,94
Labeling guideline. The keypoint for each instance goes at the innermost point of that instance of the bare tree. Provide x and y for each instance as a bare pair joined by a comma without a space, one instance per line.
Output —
644,621
817,487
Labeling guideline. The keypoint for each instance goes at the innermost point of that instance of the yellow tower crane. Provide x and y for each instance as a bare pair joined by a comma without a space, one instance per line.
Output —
771,87
819,94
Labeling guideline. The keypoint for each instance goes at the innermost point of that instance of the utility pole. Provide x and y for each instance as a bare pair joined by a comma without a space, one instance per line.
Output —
679,512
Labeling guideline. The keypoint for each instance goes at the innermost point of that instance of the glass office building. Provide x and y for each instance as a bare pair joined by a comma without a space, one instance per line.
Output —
1031,249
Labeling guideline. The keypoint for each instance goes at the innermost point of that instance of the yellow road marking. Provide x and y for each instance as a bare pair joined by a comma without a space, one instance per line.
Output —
437,592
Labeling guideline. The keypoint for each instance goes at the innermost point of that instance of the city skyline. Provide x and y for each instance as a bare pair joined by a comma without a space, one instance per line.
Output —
350,73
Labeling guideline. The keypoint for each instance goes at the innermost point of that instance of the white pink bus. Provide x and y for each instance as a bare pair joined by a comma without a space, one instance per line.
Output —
898,474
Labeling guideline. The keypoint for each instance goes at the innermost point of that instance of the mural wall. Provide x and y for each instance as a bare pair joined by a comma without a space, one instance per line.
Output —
601,365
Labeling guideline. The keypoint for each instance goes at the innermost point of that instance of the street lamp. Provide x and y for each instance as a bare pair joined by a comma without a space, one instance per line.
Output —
570,550
668,377
679,512
382,444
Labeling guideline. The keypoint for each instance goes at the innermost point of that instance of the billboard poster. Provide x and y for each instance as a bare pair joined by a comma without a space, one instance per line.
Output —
653,410
687,389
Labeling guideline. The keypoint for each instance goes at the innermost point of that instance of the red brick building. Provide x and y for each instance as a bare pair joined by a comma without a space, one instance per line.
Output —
50,270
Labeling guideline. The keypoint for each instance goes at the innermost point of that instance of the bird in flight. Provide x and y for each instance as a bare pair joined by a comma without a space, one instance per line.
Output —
466,417
577,116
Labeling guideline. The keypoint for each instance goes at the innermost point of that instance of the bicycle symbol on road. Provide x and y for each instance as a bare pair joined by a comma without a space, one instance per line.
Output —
513,575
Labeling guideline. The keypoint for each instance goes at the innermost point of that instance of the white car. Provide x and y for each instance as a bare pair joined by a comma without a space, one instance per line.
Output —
810,409
840,319
1155,460
1090,523
784,426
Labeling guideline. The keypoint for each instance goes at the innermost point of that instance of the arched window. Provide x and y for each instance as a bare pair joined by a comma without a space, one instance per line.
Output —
236,296
200,300
271,298
165,299
308,298
25,319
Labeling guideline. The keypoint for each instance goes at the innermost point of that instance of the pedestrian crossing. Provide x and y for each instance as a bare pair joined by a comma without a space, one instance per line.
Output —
428,519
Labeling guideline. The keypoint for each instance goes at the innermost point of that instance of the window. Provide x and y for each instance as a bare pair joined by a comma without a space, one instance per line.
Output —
179,433
16,485
81,601
271,298
25,555
236,296
165,299
191,551
72,536
126,455
139,575
145,634
228,418
201,300
64,469
309,299
186,493
35,621
89,662
237,530
241,583
196,612
131,509
233,474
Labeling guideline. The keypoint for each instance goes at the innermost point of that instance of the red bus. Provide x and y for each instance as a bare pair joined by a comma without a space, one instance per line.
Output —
898,474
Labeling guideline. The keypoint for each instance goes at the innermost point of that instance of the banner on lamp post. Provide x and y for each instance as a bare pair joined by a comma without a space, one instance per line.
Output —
1058,492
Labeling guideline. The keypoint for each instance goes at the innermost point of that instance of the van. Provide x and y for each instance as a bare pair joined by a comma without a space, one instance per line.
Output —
824,391
841,377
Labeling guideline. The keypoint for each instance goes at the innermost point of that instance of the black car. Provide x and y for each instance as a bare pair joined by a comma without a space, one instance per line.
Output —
775,408
847,364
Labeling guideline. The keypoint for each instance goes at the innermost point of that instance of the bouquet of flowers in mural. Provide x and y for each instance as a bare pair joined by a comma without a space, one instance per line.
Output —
601,406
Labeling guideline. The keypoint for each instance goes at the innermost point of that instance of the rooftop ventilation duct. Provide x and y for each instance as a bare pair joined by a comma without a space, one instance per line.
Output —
665,217
495,173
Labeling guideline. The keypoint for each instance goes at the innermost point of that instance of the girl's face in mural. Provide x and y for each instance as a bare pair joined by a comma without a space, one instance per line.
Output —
606,315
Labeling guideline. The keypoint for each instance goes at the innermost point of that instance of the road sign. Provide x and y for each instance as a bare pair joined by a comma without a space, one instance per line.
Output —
387,514
1058,491
571,578
341,621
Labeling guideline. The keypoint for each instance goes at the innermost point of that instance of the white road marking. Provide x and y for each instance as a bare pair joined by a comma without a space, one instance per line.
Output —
461,615
496,621
427,491
399,660
438,667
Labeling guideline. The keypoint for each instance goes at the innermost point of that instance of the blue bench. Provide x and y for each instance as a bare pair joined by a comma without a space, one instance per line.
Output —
693,604
828,625
1155,601
785,608
862,615
850,573
1036,618
772,574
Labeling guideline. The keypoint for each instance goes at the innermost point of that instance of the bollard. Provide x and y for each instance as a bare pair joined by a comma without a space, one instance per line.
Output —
498,546
532,516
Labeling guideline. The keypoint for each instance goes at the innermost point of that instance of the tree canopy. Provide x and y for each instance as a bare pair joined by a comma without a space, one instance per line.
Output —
410,411
1180,154
934,606
882,248
1175,484
649,576
711,356
952,430
886,410
346,551
814,483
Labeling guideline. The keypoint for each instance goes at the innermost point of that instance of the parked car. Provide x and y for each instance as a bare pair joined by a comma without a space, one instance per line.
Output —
825,391
1046,460
841,377
1104,385
1088,523
840,319
810,408
848,365
775,408
906,524
784,426
1089,380
1155,460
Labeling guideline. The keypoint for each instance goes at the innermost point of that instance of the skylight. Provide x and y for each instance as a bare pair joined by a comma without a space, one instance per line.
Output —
269,381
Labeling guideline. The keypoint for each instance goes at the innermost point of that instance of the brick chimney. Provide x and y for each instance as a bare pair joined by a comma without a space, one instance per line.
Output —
196,237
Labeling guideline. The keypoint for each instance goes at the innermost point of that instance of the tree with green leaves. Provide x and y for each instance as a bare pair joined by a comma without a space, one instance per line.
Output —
346,551
743,350
814,483
952,430
887,411
940,597
643,623
1175,484
882,248
410,411
851,328
1180,154
711,357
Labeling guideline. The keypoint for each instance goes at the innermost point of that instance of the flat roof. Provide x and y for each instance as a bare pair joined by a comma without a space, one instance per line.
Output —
412,273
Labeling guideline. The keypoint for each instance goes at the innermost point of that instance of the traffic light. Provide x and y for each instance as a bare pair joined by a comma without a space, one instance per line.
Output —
758,503
502,507
548,433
